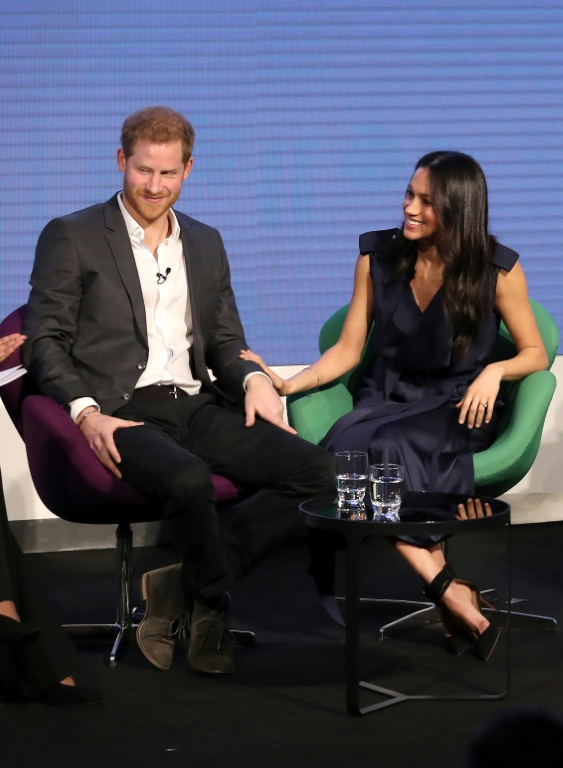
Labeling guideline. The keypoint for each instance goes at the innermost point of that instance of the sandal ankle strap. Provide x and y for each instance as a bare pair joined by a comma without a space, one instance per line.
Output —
439,584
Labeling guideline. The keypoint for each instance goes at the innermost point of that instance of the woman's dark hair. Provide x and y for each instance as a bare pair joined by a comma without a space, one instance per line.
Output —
458,190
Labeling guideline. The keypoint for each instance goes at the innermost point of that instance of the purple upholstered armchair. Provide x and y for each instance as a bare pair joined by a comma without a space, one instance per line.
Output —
74,485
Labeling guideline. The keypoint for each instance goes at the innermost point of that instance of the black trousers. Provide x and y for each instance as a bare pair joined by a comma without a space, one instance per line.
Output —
49,657
171,458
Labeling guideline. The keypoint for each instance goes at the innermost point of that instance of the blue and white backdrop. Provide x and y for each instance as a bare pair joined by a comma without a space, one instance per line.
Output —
309,116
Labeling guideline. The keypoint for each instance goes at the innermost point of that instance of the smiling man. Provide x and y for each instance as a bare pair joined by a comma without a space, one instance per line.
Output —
131,304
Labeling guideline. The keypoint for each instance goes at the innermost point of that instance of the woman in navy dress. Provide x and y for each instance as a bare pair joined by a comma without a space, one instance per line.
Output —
435,291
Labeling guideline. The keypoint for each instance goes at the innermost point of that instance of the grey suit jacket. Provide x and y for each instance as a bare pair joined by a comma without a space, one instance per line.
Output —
86,322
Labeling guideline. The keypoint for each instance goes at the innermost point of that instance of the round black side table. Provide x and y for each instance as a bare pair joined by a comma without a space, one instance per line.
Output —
421,514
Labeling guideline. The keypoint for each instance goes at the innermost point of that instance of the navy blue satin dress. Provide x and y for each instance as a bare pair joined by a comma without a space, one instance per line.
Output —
405,408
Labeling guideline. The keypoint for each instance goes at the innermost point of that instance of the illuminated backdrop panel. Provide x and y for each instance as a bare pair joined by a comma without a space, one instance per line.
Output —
309,119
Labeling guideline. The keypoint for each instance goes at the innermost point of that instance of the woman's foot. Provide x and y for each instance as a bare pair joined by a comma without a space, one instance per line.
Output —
465,625
462,600
458,640
12,687
15,631
68,694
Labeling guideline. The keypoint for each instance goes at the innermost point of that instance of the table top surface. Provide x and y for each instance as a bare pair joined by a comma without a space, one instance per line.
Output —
420,512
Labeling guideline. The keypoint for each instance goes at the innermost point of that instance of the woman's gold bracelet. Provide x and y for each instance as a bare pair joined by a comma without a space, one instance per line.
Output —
310,368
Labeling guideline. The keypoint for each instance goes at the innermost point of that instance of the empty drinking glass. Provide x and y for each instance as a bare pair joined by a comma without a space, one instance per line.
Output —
351,479
386,489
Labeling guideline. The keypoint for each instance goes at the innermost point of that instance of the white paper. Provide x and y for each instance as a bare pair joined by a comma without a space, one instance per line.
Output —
11,374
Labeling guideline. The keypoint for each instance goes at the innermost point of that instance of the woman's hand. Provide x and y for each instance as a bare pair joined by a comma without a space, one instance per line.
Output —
472,509
476,406
279,383
9,343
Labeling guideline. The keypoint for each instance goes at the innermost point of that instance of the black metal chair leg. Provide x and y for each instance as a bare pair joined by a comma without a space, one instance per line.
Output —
123,624
127,617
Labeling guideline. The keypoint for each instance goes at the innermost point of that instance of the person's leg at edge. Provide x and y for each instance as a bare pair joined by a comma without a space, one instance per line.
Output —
39,647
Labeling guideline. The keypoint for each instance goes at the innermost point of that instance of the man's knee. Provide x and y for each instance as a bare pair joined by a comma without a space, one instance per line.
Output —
316,471
325,471
191,486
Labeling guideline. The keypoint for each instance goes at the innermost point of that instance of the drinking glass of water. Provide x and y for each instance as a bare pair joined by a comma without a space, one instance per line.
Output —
351,479
386,489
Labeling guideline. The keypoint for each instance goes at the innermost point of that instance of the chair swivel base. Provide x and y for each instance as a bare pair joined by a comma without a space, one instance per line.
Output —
126,633
422,614
425,613
120,631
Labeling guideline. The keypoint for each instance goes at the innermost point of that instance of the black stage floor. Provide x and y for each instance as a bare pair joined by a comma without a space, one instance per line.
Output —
285,705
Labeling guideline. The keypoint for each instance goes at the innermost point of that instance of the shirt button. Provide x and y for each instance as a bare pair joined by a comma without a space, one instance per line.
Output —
126,396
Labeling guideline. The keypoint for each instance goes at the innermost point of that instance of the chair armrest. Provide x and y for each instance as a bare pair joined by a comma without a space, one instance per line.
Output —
500,467
313,414
69,478
48,425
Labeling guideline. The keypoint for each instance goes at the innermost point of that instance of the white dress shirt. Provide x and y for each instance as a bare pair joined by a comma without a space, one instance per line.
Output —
167,306
168,312
167,309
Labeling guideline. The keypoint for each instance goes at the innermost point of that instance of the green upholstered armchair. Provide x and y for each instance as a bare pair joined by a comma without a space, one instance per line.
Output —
499,467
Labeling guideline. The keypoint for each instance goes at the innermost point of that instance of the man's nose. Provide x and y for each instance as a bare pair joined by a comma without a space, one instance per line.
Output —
153,183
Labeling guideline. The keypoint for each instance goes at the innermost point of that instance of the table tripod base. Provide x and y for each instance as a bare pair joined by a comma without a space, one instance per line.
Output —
396,697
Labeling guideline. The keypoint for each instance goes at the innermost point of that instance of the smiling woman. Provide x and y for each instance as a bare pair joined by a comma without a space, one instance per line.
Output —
434,292
420,218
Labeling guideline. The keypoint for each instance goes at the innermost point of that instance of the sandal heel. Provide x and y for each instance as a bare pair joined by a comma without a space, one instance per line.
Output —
486,643
461,637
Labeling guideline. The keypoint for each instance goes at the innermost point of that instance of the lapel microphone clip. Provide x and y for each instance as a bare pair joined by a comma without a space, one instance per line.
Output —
160,278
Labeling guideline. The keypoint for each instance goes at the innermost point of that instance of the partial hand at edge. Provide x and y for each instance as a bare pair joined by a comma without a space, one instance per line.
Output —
98,430
263,401
9,343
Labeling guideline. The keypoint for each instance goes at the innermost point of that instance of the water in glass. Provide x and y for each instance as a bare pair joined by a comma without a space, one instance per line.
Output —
351,479
351,489
386,491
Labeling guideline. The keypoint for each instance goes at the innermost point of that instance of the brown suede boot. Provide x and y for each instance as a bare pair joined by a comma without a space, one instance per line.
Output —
211,644
165,602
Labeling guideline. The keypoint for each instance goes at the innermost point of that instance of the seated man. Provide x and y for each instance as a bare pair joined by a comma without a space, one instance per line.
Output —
131,303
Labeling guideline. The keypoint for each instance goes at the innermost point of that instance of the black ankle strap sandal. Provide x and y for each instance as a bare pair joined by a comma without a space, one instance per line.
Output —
435,590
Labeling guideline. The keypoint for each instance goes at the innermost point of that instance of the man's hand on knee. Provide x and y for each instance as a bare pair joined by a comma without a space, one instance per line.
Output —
262,400
98,430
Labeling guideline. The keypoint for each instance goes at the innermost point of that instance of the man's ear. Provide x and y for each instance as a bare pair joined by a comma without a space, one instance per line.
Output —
121,159
188,168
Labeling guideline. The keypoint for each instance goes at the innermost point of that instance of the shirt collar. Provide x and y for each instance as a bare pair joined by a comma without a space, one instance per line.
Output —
135,230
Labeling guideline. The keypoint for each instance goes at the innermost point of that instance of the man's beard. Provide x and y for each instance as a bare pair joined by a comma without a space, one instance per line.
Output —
148,211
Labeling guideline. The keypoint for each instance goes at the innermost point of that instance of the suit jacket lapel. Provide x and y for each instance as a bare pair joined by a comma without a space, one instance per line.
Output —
192,257
120,245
